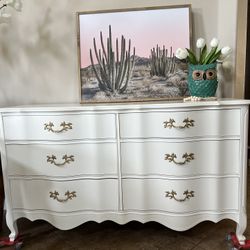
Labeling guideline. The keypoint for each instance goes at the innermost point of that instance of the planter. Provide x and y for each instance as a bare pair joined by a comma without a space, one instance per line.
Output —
202,80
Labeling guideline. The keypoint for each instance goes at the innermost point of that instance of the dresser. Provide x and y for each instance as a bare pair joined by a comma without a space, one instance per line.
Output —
176,163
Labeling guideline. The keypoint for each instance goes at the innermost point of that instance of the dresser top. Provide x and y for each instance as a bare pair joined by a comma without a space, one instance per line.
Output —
173,104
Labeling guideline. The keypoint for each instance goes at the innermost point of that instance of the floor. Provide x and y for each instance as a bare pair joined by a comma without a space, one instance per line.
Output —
131,236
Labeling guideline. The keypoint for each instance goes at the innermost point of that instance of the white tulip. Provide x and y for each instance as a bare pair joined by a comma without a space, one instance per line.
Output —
181,53
200,43
214,42
225,51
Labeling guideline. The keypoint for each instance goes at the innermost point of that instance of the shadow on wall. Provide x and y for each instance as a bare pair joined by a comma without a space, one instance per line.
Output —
38,55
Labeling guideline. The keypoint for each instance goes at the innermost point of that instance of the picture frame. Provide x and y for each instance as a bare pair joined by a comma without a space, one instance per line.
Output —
127,55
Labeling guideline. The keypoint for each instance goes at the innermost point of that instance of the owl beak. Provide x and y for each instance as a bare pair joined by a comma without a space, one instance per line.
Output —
204,76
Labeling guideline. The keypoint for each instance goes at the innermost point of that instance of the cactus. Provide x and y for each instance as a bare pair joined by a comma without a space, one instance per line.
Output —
115,69
161,64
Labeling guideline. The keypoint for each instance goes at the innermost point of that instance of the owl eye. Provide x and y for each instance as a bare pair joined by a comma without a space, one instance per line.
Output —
197,74
211,74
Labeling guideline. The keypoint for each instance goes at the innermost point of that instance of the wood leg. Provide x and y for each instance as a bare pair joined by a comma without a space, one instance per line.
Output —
1,198
12,227
241,227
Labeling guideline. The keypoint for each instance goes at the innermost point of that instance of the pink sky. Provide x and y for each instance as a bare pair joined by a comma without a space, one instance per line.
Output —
146,29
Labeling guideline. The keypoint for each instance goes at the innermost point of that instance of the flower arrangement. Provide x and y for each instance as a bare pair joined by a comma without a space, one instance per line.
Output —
15,4
204,56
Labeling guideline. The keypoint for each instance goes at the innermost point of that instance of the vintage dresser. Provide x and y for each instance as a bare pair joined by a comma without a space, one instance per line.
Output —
175,163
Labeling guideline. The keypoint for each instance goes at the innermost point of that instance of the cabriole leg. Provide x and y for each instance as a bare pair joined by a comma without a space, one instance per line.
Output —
12,227
241,227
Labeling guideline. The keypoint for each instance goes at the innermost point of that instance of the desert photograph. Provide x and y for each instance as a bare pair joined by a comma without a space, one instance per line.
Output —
120,61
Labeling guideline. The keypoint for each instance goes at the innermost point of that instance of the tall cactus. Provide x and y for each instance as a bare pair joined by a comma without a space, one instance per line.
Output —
115,69
161,64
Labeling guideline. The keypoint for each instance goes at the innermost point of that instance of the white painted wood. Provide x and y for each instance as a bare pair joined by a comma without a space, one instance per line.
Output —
87,126
119,172
148,158
90,195
92,159
176,222
210,194
144,125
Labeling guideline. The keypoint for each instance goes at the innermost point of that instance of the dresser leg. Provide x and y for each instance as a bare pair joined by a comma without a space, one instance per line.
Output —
12,227
241,227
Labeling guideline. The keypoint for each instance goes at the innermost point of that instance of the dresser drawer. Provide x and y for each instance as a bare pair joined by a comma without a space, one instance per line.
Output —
65,196
59,127
175,196
186,158
62,159
180,124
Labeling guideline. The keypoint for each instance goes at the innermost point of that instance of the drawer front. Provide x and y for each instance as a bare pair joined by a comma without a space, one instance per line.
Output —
62,160
180,196
180,124
180,158
66,196
59,127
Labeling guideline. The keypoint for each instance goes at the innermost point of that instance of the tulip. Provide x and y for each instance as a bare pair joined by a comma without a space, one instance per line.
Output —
225,51
181,53
200,43
214,42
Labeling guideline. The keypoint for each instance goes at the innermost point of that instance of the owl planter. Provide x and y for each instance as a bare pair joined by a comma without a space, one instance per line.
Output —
202,80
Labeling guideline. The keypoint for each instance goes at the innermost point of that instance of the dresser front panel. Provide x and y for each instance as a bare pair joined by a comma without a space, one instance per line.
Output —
90,195
205,123
84,126
210,194
81,159
202,157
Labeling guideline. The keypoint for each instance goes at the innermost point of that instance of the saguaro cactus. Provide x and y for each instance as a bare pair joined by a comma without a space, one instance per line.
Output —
161,64
114,68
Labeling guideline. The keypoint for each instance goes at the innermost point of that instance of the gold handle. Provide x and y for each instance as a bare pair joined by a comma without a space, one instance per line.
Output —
67,159
187,124
186,156
187,194
69,196
65,126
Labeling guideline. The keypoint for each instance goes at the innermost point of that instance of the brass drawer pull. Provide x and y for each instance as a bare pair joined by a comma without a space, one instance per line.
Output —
69,196
186,156
187,194
67,159
187,124
65,126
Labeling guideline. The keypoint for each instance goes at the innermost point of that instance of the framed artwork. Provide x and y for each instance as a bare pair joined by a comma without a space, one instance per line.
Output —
128,55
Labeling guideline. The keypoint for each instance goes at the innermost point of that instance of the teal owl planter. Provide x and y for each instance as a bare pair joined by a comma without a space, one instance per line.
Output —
202,80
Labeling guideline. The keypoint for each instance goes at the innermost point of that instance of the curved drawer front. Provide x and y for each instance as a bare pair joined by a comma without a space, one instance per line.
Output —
62,160
59,127
180,159
180,124
66,196
180,196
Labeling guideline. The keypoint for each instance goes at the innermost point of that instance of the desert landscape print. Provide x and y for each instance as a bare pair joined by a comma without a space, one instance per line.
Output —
129,55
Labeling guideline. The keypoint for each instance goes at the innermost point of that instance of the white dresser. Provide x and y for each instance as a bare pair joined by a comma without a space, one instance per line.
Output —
171,162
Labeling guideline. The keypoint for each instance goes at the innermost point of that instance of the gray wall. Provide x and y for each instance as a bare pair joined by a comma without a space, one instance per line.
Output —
38,49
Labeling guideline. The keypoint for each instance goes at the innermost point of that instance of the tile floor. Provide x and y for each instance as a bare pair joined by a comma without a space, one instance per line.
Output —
40,235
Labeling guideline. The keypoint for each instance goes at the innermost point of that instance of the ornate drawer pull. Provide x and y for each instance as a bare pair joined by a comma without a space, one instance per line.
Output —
187,194
65,126
67,159
69,196
186,156
187,123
